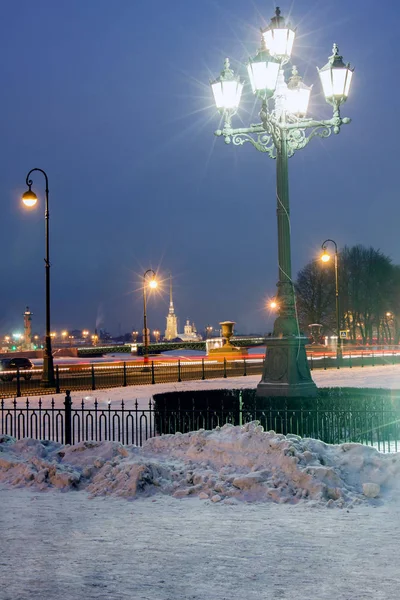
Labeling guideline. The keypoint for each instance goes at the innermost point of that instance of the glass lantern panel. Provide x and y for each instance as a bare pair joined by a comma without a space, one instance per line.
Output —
227,94
326,82
263,75
348,82
297,101
336,82
279,41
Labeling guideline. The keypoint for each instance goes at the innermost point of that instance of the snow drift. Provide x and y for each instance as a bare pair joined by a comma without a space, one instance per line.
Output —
228,464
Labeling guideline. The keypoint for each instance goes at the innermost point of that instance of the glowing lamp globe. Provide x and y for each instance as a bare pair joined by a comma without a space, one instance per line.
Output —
325,257
153,284
227,89
263,70
279,37
297,95
29,198
336,78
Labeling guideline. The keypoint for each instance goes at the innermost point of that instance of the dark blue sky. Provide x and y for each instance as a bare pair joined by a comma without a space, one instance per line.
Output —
111,98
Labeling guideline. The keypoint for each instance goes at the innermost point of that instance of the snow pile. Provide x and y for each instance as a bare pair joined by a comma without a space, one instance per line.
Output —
226,464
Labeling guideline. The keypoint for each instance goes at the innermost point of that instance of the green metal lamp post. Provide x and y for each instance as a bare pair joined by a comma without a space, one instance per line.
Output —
284,129
325,258
152,284
30,199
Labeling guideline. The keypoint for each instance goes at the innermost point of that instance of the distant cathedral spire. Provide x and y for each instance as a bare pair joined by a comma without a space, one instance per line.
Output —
171,331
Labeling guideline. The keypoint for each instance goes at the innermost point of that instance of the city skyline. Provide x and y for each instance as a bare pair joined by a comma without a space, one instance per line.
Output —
136,178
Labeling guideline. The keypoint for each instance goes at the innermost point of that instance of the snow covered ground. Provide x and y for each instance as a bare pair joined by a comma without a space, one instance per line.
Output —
232,514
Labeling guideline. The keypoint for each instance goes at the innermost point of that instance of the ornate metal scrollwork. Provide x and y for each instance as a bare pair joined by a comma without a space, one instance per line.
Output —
266,136
263,142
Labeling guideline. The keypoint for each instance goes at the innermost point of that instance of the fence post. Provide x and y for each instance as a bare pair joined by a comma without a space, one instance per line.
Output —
362,358
153,379
93,379
57,380
240,408
68,418
124,383
324,361
244,367
18,383
179,370
224,367
311,361
350,365
203,375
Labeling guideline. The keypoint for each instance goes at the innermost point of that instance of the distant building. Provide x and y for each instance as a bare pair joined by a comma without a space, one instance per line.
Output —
171,331
190,333
27,329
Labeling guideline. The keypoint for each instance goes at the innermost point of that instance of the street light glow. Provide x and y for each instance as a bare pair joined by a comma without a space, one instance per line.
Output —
153,284
336,78
227,89
263,70
29,198
279,37
325,257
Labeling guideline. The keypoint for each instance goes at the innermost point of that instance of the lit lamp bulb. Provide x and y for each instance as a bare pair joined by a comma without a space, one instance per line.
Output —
153,284
273,304
325,257
29,198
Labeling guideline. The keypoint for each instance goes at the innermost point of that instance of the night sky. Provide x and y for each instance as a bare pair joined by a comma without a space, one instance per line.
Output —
111,99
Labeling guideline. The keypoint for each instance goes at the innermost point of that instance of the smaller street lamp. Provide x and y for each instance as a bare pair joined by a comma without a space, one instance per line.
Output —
209,330
325,257
152,284
30,199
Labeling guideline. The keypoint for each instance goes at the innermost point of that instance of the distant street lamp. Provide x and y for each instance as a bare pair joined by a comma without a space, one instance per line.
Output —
273,305
325,257
209,330
152,284
30,199
283,130
157,335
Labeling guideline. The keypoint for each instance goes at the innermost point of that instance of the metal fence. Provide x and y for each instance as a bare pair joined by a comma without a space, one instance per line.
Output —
100,376
372,419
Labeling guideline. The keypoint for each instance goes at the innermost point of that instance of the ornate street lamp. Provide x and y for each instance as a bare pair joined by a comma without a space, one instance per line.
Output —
283,130
152,284
325,257
30,199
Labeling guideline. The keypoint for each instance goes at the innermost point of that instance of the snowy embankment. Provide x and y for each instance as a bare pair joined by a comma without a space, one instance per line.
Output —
229,464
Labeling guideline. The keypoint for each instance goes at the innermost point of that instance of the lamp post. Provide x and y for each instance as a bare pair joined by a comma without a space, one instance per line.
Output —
284,129
325,257
152,283
29,198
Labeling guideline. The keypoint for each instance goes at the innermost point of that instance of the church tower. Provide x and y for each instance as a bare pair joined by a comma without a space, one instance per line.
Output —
171,331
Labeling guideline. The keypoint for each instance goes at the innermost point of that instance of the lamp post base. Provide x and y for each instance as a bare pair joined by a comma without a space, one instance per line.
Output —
286,372
48,379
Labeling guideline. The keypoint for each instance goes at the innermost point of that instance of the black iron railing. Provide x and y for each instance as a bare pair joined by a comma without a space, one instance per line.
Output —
101,376
336,416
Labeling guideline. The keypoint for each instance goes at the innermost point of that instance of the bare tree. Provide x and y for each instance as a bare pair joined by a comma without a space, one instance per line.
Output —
369,287
315,289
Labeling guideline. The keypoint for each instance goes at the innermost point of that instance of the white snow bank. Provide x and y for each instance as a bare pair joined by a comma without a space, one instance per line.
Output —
226,464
